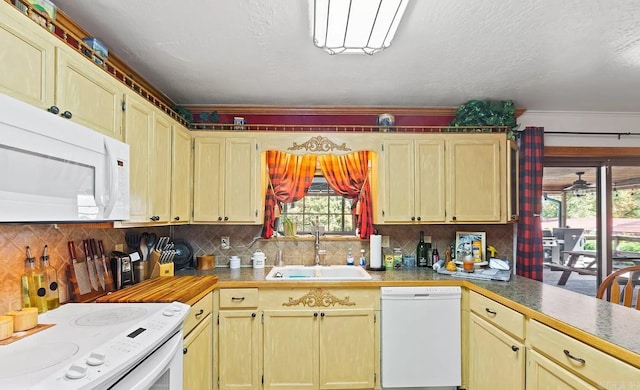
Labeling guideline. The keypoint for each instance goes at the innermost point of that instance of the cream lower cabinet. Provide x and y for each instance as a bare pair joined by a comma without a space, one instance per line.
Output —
181,174
198,346
225,183
544,374
148,134
320,339
569,359
496,351
239,340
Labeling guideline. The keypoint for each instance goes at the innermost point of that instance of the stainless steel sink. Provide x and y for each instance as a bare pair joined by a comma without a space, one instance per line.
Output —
318,272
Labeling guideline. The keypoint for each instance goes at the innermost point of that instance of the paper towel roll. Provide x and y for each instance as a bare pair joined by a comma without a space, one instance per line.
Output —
438,265
375,251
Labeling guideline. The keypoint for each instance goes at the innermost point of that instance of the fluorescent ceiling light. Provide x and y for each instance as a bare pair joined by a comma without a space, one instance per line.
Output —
356,26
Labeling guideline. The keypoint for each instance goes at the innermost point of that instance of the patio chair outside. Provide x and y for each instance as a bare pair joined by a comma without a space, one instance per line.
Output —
612,284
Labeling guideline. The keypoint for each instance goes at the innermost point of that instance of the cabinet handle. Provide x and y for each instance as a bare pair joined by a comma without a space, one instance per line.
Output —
198,314
54,110
453,218
237,299
493,313
66,115
253,315
419,219
226,218
413,218
322,314
515,348
184,351
219,218
155,218
315,314
176,218
570,356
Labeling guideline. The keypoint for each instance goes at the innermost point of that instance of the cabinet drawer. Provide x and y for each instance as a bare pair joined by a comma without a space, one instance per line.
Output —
199,311
588,362
238,298
497,314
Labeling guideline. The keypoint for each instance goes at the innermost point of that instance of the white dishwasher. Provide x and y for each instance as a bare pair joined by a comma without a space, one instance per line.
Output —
420,337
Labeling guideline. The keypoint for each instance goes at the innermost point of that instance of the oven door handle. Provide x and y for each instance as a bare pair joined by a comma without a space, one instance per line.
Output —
147,373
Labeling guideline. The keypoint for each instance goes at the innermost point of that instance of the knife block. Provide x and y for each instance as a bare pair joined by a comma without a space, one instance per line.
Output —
154,264
166,269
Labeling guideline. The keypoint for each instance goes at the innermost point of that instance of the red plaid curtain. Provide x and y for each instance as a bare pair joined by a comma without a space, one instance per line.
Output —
290,177
348,176
530,254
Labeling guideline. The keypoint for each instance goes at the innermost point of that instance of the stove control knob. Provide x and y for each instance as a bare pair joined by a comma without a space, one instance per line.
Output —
76,371
96,359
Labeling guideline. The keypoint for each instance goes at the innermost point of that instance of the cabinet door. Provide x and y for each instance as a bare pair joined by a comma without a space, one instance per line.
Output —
208,165
240,186
347,344
291,349
159,155
496,360
474,174
27,57
181,175
198,357
399,179
93,97
239,350
430,181
543,374
138,128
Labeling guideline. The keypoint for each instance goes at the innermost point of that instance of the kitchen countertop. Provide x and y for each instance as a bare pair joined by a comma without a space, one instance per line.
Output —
185,289
608,327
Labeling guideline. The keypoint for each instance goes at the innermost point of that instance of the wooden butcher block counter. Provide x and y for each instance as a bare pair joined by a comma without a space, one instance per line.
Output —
185,289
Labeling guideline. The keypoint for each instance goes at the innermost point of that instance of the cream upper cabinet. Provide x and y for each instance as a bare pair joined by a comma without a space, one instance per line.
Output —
148,134
181,174
414,188
320,339
225,188
41,70
544,374
496,360
476,177
91,96
27,55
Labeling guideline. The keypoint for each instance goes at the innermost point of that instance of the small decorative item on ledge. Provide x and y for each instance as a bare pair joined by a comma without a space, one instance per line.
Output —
238,123
384,121
485,114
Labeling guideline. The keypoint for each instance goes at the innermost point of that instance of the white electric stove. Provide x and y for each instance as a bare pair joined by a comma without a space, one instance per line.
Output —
99,346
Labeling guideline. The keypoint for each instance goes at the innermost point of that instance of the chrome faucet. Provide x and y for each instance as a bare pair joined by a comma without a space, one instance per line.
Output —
317,240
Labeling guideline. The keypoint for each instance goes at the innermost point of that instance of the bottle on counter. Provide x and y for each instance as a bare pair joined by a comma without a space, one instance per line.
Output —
350,257
363,259
422,252
34,281
435,256
397,258
51,279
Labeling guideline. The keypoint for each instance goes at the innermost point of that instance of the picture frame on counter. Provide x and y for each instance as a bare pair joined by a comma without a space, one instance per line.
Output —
474,243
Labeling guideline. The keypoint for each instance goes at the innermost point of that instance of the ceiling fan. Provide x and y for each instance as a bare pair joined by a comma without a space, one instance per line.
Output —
579,187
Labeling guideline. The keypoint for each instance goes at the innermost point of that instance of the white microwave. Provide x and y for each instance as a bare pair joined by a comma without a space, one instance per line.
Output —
55,170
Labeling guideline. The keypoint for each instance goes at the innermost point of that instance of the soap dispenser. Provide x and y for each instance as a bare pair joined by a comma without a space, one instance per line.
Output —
350,257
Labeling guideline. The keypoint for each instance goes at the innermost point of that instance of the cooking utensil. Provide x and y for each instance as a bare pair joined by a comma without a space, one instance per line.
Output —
79,270
93,279
132,240
152,239
143,249
108,276
183,254
97,263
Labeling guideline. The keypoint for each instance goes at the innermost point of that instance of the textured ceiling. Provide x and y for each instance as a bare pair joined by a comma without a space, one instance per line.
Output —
579,55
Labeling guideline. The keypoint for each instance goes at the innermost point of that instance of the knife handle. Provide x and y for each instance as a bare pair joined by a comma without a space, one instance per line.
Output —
72,250
94,249
101,248
87,250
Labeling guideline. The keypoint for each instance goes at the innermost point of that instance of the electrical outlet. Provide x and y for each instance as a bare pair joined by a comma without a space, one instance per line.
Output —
119,247
224,243
385,241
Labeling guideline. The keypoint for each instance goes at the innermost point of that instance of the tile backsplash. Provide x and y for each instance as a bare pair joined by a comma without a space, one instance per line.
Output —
205,239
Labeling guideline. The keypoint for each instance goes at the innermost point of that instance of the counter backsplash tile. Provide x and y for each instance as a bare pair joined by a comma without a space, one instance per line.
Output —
205,239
